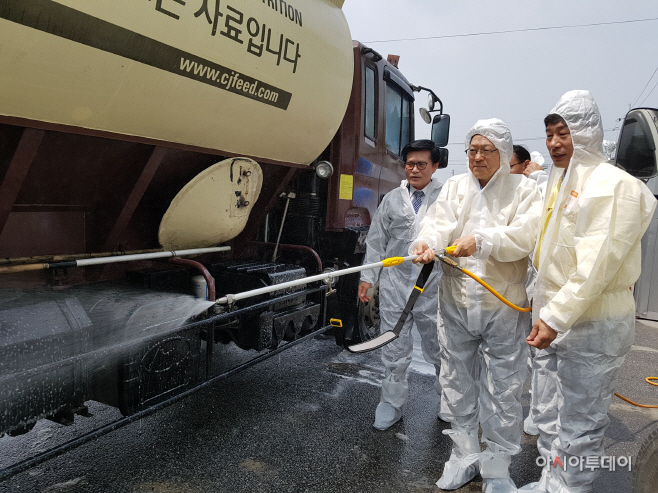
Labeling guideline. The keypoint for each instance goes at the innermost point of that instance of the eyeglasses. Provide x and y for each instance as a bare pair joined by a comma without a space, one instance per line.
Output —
515,164
421,166
484,152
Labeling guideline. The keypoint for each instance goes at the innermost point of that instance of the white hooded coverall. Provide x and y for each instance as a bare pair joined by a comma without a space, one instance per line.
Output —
541,178
483,348
589,259
393,227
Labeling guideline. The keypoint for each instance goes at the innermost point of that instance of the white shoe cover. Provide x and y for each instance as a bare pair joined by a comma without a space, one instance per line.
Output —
540,486
529,427
498,485
494,464
386,416
458,471
464,462
553,484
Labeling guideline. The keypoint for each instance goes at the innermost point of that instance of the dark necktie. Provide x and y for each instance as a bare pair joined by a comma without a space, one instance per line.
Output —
418,200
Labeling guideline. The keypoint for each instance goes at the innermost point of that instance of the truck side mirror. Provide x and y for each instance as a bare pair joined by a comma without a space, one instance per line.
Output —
443,157
440,130
636,150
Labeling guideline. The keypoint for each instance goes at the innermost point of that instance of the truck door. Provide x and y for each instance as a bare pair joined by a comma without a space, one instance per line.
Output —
637,154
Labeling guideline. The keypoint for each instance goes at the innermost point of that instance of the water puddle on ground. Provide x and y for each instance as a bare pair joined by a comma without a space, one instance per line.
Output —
352,366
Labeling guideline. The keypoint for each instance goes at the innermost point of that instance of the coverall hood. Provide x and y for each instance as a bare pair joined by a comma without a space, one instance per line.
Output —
580,112
500,136
583,118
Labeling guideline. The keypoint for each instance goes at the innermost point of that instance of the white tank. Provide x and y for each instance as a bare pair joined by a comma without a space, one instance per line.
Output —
213,207
261,78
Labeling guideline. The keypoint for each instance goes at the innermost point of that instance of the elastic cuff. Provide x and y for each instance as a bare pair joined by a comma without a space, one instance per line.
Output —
431,242
483,247
551,321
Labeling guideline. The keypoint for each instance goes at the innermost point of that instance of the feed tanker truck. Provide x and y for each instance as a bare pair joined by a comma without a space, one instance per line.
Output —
130,128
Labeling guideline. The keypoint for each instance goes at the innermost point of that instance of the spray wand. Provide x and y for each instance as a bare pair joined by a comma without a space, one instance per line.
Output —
328,277
391,335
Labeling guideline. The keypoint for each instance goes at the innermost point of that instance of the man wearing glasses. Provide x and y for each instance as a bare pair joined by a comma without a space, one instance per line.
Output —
522,164
394,225
520,159
492,217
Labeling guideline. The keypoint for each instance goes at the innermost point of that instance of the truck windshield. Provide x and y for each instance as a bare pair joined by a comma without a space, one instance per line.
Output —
398,118
636,151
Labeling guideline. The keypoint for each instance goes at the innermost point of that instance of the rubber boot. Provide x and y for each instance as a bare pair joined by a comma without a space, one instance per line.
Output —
494,468
386,416
463,463
540,486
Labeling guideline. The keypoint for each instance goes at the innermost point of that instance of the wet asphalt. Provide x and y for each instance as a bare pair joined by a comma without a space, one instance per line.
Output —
299,422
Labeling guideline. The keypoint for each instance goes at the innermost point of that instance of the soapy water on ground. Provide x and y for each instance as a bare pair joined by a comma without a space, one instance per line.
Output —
353,366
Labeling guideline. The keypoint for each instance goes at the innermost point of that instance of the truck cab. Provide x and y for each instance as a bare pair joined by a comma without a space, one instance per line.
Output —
366,158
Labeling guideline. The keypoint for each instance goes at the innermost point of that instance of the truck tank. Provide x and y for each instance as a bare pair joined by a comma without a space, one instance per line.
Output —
268,80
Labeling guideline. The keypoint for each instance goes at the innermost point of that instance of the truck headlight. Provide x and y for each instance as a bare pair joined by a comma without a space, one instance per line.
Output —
324,169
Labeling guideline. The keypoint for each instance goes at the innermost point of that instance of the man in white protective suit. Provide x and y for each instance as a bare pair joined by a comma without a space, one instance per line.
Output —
492,217
587,258
394,225
529,164
535,171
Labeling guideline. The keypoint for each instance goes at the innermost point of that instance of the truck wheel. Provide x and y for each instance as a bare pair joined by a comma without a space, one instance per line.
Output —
645,478
368,317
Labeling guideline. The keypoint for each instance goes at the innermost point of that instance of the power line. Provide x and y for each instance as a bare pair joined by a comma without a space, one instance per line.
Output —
526,140
656,84
647,84
511,31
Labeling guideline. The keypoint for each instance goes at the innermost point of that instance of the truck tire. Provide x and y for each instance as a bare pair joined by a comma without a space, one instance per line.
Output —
368,317
645,477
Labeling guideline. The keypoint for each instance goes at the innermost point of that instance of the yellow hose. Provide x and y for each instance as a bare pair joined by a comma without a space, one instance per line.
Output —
453,264
494,292
648,379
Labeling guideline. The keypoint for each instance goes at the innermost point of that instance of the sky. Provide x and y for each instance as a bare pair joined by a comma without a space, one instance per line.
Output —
518,76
